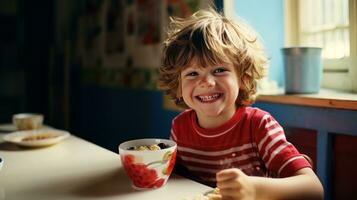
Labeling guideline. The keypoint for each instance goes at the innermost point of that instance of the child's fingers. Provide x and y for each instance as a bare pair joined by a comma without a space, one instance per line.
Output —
214,196
227,174
230,194
229,184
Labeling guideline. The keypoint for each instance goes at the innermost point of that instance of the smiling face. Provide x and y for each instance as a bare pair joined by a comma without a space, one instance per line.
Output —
210,91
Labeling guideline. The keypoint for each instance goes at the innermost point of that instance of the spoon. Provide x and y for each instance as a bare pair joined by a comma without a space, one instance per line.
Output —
1,163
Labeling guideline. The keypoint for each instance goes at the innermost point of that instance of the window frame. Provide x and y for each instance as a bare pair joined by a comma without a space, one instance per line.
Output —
337,74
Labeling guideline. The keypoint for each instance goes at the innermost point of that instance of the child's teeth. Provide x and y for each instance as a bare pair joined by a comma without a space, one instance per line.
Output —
209,97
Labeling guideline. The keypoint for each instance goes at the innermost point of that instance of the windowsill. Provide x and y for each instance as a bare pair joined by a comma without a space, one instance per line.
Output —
325,98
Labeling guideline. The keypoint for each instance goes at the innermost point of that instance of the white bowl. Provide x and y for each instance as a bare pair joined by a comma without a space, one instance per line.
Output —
148,168
36,138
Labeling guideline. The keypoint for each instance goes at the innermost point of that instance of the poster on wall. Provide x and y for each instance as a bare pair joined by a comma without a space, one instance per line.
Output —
148,22
182,8
120,41
89,41
114,28
145,48
115,34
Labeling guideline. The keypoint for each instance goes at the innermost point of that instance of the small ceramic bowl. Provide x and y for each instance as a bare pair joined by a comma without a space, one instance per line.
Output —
27,121
146,168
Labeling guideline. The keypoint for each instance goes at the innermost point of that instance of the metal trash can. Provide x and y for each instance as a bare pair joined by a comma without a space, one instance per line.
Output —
303,69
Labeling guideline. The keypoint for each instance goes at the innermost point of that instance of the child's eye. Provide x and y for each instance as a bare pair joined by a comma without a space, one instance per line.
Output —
192,74
219,70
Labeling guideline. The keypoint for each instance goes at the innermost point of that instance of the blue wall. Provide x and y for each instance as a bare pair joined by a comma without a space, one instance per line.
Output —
111,115
266,17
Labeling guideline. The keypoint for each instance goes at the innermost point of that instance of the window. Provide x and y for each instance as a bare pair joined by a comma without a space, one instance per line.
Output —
330,24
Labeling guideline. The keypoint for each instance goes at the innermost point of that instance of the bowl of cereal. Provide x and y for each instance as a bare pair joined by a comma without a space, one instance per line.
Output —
148,162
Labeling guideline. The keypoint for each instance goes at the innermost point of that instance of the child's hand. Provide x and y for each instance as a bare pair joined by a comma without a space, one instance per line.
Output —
234,184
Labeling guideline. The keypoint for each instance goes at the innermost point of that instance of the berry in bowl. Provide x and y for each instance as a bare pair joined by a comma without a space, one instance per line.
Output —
148,162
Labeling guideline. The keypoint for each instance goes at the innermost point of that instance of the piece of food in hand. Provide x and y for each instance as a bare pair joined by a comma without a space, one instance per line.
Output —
213,195
208,197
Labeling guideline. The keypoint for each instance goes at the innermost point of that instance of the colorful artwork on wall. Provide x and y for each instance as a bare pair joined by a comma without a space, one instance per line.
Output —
148,21
115,28
118,42
182,8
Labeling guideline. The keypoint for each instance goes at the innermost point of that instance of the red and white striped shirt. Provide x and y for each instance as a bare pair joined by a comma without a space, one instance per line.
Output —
252,140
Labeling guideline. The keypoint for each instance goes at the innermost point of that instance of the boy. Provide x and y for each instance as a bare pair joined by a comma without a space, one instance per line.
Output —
211,65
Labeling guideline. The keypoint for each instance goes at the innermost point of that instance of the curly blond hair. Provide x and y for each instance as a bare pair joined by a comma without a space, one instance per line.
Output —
211,39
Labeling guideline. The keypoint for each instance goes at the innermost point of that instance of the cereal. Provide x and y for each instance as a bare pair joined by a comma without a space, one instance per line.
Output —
152,147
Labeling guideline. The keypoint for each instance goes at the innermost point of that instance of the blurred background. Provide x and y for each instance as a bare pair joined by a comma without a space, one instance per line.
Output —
89,66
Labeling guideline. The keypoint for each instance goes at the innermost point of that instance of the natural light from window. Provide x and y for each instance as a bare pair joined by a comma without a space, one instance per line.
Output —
325,23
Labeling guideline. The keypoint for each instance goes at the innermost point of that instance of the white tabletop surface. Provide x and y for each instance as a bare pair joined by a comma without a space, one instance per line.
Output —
77,169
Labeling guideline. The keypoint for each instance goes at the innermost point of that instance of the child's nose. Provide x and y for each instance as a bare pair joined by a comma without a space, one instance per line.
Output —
207,81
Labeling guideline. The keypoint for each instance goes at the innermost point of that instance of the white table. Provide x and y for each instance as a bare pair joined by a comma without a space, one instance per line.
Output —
77,169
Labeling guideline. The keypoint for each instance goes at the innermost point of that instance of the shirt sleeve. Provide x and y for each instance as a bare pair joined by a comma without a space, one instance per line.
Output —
279,156
173,131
